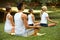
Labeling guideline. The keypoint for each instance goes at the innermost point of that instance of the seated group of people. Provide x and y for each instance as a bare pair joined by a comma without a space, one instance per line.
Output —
24,25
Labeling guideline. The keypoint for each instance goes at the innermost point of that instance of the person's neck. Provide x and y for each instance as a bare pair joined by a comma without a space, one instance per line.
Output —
20,11
8,12
30,13
44,11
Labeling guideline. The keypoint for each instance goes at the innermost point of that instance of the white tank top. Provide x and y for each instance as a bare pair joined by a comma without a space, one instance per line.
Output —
19,25
30,21
8,24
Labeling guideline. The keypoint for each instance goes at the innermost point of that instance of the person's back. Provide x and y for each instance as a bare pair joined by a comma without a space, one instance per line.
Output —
30,20
19,25
43,18
8,25
7,19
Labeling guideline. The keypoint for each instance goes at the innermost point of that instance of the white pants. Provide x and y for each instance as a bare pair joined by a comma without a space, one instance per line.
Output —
7,31
27,33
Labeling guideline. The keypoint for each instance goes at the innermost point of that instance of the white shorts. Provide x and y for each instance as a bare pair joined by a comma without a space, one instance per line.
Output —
7,31
27,33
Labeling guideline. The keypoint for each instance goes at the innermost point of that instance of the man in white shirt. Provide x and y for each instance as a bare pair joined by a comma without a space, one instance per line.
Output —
21,25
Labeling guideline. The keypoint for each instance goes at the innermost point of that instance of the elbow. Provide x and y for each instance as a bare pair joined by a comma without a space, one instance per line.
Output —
26,27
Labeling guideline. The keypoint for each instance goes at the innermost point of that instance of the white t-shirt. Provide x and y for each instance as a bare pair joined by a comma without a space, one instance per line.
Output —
30,20
43,18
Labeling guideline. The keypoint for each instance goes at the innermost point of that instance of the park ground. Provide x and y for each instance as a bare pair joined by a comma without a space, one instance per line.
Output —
52,33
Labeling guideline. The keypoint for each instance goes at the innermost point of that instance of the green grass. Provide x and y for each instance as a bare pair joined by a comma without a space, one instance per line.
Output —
52,33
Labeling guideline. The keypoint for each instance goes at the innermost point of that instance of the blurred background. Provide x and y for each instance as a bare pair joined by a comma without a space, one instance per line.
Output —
53,7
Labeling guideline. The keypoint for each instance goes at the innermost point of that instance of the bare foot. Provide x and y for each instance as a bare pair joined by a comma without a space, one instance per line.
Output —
38,34
12,33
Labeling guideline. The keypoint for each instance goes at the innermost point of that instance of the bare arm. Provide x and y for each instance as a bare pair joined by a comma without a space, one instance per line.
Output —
50,20
24,18
11,20
33,18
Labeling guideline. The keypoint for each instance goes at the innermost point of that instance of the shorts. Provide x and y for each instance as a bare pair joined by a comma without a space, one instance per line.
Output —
31,24
27,33
44,25
7,31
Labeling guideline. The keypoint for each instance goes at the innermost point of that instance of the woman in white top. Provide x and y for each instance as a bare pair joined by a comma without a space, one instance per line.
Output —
9,24
31,18
45,18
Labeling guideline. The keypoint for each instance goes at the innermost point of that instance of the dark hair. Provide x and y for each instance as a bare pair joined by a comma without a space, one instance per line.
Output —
8,8
30,10
19,6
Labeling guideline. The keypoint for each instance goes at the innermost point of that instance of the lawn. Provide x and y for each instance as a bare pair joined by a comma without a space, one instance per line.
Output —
52,33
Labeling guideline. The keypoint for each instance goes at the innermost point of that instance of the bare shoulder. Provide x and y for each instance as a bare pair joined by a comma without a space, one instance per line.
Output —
10,16
24,16
32,15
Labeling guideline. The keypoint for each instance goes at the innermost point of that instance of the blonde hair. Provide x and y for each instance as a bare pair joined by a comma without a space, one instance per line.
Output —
44,8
